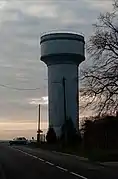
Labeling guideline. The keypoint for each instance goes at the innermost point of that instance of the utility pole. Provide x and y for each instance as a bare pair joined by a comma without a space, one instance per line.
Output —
65,115
38,131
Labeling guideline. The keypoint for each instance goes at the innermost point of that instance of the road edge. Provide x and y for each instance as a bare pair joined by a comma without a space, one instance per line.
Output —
71,155
102,164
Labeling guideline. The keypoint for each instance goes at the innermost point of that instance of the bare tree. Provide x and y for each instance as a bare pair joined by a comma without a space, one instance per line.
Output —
100,81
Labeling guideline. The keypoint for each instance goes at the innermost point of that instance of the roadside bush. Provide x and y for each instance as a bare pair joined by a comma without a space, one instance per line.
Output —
51,136
100,132
69,133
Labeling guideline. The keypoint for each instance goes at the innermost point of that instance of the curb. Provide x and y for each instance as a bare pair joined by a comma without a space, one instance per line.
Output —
108,166
71,155
87,160
102,164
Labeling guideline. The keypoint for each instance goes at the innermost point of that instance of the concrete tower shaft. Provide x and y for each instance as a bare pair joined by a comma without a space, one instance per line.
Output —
62,52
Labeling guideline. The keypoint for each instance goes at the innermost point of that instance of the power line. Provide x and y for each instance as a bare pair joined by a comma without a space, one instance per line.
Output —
15,88
20,89
28,89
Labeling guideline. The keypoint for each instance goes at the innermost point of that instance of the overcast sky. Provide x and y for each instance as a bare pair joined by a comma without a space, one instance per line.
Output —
21,25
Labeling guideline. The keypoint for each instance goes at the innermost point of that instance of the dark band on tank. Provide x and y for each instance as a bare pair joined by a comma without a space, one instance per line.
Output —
57,36
63,58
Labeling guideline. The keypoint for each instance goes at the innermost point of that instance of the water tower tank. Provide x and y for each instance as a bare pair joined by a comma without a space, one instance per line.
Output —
62,52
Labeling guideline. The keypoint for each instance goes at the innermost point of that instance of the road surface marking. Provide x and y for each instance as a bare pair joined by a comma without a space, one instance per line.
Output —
77,175
62,168
41,159
30,155
49,163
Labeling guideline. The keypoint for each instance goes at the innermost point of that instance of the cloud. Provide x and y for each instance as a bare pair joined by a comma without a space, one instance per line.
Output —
21,25
3,4
44,10
43,101
103,5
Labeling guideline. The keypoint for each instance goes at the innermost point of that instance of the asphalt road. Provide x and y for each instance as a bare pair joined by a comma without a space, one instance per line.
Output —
23,162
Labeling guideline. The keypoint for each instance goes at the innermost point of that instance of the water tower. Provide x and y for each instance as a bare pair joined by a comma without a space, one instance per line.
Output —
62,53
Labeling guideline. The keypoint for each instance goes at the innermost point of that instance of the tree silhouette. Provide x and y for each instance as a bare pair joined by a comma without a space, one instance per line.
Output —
51,136
100,80
100,132
69,133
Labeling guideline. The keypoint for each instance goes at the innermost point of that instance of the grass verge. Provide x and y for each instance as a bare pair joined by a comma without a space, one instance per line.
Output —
97,155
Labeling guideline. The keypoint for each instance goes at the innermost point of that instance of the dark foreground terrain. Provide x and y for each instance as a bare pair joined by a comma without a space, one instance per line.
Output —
18,162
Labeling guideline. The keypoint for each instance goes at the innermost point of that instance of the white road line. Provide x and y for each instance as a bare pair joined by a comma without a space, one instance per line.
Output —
30,155
41,159
61,168
77,175
64,169
49,163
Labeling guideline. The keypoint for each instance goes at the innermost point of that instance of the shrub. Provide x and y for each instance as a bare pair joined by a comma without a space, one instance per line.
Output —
51,136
